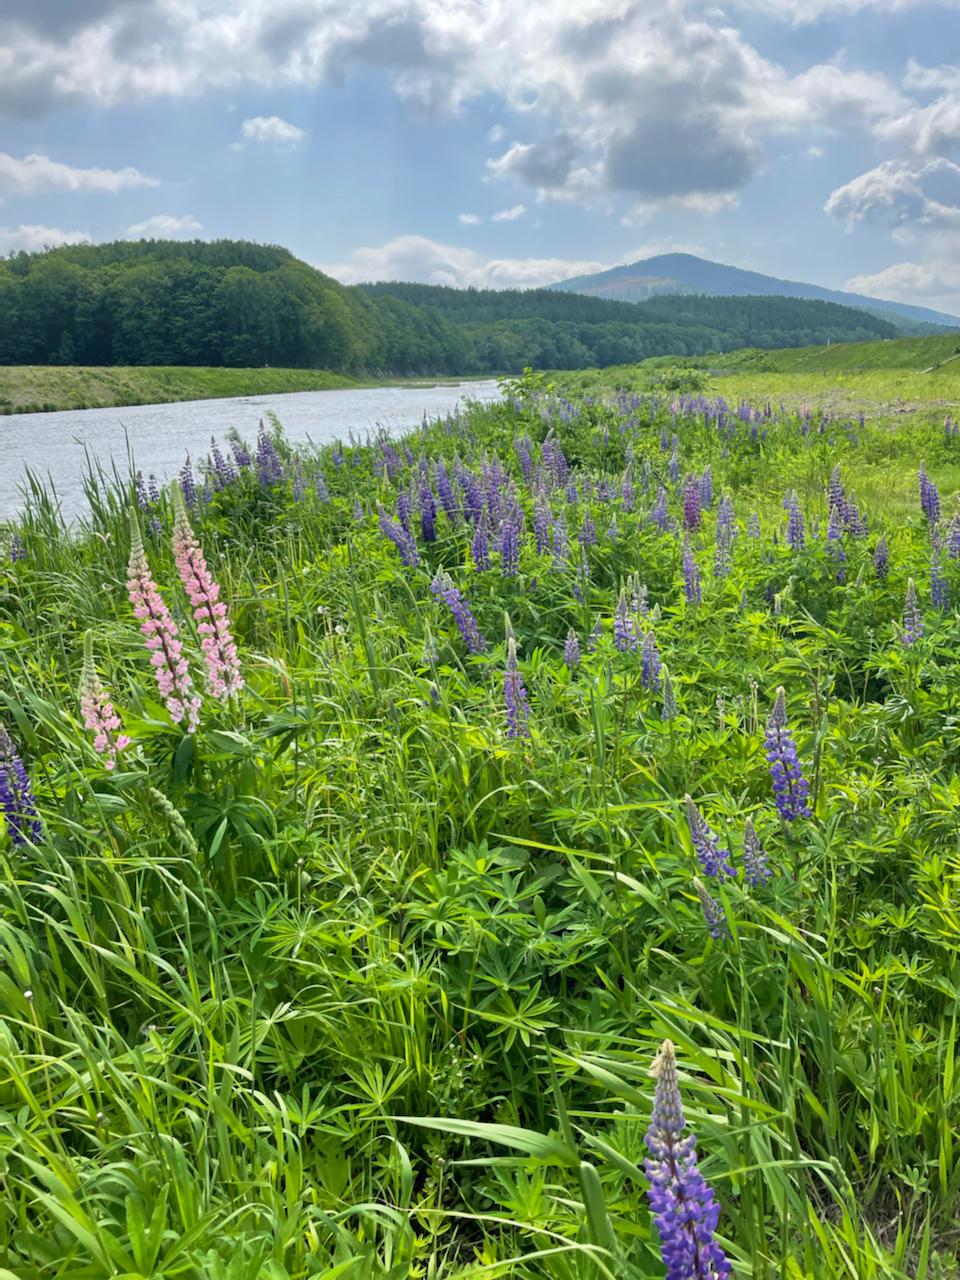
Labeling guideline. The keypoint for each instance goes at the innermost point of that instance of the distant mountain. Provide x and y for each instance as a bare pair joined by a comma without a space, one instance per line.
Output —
683,273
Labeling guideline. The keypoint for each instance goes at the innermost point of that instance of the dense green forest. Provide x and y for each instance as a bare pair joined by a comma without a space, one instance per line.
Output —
245,305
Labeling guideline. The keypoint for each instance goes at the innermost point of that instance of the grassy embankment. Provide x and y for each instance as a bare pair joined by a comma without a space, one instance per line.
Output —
351,980
35,388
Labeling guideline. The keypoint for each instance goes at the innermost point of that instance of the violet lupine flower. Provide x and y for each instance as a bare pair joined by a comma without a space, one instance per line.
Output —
835,490
444,588
659,512
726,521
664,439
161,634
753,525
17,550
480,545
713,915
881,559
668,711
448,499
515,695
571,650
405,510
912,617
240,455
628,494
714,861
98,713
835,544
323,493
624,633
596,634
401,539
223,472
686,1214
650,664
588,533
559,541
755,865
16,796
359,515
692,515
219,649
938,584
795,526
299,486
269,466
691,575
154,489
542,517
472,496
929,496
428,513
140,491
789,785
188,485
706,486
522,447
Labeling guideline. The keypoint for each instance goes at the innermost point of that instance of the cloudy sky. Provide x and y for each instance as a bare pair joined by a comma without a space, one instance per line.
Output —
496,141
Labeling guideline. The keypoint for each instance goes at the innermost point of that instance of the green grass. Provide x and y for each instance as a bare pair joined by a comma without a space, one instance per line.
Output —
914,354
351,982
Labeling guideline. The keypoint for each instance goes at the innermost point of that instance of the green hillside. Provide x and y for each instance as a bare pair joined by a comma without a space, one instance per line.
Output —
904,353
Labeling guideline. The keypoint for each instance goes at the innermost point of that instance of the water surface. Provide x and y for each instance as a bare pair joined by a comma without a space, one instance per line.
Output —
158,438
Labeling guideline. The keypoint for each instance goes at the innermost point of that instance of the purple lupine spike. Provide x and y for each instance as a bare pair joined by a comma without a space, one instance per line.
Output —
391,459
596,633
714,861
269,466
559,540
726,521
691,575
588,532
472,496
509,544
17,550
835,490
140,491
795,526
659,512
359,515
515,695
480,545
645,478
692,515
444,588
717,927
929,496
153,489
405,510
940,597
664,439
572,492
706,486
835,544
400,537
448,499
16,796
428,513
320,484
613,531
721,564
522,447
223,471
753,526
755,863
650,668
624,633
686,1214
628,494
188,486
912,617
571,650
299,486
881,559
790,787
542,516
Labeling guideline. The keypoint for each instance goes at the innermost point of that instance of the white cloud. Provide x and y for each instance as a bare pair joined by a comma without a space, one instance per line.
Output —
495,134
272,129
36,174
925,192
510,215
163,226
429,262
935,283
34,238
652,99
469,219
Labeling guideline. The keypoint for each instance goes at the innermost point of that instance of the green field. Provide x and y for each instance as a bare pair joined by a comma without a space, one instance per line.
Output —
364,977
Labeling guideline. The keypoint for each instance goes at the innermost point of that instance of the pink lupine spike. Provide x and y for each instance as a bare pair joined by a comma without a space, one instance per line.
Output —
160,630
99,715
219,649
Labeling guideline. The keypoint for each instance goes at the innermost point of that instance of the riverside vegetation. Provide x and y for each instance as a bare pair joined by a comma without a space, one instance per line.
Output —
341,921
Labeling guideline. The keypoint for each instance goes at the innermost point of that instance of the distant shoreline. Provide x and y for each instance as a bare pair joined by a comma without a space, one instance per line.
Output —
52,388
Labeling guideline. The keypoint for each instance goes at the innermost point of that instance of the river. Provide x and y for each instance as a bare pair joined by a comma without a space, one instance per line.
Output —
158,437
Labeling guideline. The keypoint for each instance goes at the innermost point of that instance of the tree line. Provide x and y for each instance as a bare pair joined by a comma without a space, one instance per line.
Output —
240,304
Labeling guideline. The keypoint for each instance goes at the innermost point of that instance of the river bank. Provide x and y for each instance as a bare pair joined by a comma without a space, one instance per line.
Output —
52,388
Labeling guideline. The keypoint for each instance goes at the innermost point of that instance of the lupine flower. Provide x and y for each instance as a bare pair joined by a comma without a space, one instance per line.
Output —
515,695
686,1214
795,530
929,496
444,588
596,633
669,710
217,643
140,491
17,550
405,510
753,526
269,466
717,926
881,558
721,564
691,575
188,485
706,486
401,539
588,533
912,617
571,650
299,487
835,544
510,540
448,499
692,515
659,512
789,785
755,865
16,795
154,490
726,521
323,493
359,515
542,517
480,545
222,471
162,635
624,633
558,538
99,715
428,513
835,491
650,668
713,860
938,584
628,493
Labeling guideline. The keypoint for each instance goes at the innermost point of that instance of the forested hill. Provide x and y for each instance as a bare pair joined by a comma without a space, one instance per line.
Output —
240,304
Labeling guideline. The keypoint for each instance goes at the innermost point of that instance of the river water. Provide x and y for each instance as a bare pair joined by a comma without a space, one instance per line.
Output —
158,437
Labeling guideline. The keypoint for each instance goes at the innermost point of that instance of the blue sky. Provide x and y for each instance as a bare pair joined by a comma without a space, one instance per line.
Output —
503,142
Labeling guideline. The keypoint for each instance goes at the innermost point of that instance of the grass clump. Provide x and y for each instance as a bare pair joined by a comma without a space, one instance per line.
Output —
365,975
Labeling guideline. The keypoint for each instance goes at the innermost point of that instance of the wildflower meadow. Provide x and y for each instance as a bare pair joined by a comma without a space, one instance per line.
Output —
528,847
